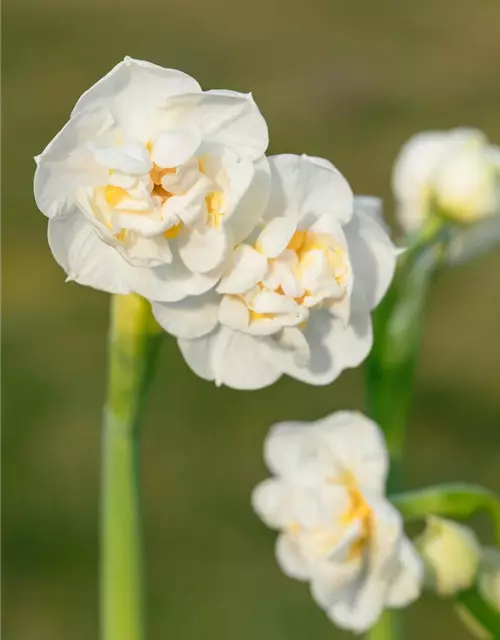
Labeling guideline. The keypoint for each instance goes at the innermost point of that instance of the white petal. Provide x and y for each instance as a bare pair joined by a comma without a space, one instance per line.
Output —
360,609
228,119
272,500
173,148
334,347
275,236
131,157
85,257
67,164
292,561
234,313
334,581
247,269
170,282
145,252
230,174
189,207
252,204
133,91
308,188
292,341
190,318
407,584
271,302
239,361
203,249
358,446
296,451
198,354
372,255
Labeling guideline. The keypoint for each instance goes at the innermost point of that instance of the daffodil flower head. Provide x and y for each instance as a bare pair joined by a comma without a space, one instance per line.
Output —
295,297
337,529
455,174
152,182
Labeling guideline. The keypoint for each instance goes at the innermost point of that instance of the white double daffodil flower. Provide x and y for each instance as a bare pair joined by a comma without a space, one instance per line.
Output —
152,182
296,297
338,530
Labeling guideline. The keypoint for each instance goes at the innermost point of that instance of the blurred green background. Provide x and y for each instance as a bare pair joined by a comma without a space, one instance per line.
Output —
349,80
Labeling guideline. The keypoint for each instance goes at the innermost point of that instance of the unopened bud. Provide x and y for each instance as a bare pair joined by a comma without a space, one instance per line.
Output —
451,552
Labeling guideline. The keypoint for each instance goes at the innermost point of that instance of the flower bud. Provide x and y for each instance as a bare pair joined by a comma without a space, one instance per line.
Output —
453,174
451,553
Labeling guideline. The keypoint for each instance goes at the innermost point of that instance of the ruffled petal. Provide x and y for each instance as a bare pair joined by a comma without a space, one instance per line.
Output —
357,446
248,267
68,163
372,255
85,257
334,346
307,188
204,248
407,583
133,91
170,282
239,361
224,118
190,318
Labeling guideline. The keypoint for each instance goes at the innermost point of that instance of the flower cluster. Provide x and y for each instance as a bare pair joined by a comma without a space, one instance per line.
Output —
260,267
338,530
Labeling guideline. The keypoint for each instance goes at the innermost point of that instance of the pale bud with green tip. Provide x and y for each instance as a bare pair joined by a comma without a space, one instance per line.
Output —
451,553
453,173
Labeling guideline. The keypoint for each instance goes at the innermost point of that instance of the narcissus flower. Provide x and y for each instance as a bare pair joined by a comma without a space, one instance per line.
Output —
296,297
453,173
152,182
337,529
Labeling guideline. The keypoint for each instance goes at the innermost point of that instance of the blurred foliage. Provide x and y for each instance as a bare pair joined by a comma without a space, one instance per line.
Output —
350,80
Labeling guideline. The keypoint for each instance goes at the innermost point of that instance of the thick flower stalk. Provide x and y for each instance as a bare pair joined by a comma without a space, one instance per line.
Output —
337,529
152,182
296,296
133,345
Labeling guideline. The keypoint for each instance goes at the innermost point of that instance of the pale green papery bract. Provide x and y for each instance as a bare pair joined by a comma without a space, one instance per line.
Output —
337,529
152,182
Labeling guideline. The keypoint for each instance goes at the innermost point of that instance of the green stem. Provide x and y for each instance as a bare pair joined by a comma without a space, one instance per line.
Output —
452,500
388,627
390,368
133,344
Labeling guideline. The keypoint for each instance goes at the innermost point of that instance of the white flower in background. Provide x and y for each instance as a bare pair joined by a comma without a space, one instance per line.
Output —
456,173
337,529
296,297
152,182
451,553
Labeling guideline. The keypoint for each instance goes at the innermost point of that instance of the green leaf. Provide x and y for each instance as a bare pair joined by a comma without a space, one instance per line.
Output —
486,617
